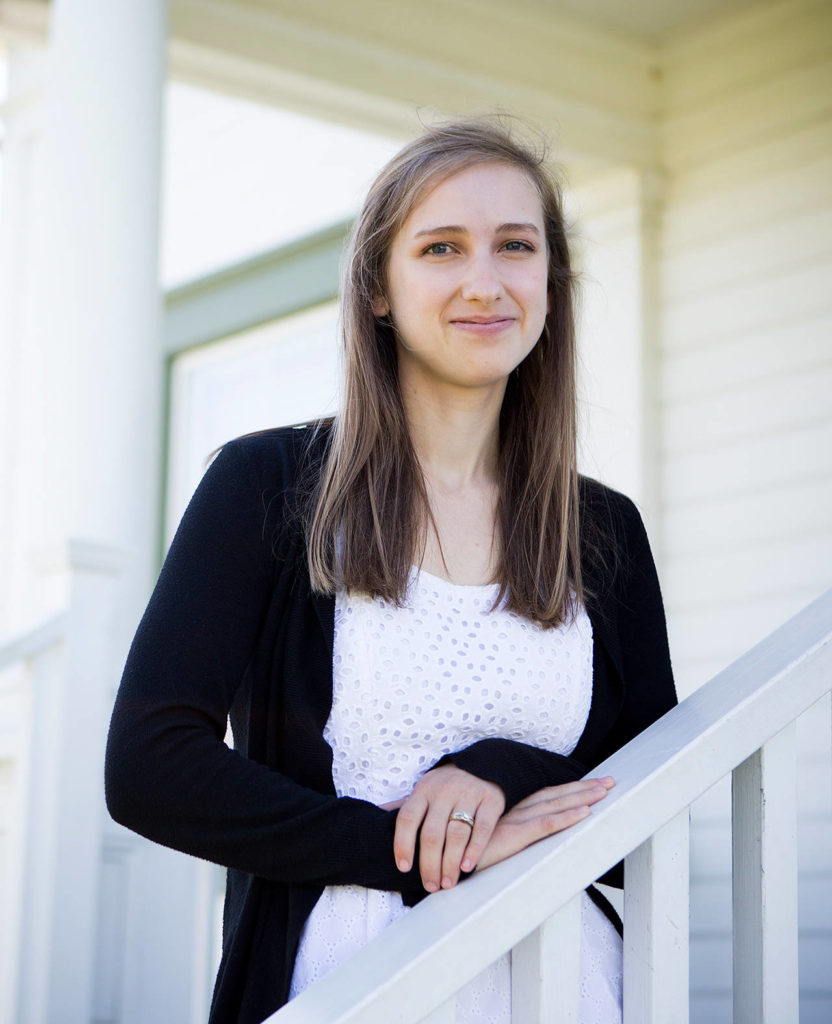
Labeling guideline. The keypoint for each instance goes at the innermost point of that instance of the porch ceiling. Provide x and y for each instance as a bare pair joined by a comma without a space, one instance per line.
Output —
586,70
651,19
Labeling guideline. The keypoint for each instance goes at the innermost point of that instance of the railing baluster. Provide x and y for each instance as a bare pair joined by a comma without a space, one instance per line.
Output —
765,884
656,927
545,970
444,1014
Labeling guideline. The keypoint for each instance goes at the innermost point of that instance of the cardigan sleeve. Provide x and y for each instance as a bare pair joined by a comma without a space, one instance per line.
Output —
168,773
633,601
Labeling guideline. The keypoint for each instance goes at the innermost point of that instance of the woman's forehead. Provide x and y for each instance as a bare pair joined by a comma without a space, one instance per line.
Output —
495,190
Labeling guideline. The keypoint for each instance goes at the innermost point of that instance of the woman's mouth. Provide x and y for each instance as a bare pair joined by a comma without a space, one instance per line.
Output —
484,324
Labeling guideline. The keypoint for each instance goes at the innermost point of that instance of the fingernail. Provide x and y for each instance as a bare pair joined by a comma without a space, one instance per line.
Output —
404,865
430,886
466,865
599,789
446,883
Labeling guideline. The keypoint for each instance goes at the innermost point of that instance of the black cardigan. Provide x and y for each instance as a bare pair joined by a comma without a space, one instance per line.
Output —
232,628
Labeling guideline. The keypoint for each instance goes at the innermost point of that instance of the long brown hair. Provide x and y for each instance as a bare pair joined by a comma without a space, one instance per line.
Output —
366,518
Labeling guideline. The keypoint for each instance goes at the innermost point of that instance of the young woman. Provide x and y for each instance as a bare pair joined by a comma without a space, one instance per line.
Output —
424,626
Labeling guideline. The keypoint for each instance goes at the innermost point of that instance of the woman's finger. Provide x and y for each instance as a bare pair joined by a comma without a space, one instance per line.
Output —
432,840
408,820
552,805
513,835
485,821
566,788
457,838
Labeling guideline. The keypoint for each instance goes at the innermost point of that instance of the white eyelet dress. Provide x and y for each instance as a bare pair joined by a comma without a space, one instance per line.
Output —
412,684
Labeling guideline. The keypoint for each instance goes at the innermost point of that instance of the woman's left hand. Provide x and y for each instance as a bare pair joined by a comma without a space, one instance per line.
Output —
445,846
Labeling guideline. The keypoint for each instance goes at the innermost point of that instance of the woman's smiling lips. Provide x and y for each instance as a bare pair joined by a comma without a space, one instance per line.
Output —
483,324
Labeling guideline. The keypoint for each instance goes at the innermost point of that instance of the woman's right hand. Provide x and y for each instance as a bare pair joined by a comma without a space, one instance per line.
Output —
542,814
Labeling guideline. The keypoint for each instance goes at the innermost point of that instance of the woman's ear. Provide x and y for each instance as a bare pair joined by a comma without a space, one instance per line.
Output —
381,307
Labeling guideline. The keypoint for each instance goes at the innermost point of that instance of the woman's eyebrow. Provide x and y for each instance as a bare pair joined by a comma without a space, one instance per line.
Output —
458,229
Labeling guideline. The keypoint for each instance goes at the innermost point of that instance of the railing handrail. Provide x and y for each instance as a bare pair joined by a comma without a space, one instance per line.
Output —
32,641
658,774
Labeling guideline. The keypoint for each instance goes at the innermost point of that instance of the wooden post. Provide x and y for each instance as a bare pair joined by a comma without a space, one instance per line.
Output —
70,693
656,929
765,884
546,970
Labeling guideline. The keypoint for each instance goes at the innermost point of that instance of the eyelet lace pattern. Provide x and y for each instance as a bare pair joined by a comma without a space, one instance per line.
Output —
412,684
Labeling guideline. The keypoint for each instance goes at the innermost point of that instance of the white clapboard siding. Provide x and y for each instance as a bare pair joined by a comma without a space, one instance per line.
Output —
718,523
761,407
751,571
745,418
793,293
733,49
765,105
735,186
783,239
792,347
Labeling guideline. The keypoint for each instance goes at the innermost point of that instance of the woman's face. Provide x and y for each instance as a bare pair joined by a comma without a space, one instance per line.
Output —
466,280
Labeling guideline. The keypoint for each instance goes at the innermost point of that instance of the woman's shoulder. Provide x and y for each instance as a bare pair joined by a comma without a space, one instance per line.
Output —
614,544
278,455
601,505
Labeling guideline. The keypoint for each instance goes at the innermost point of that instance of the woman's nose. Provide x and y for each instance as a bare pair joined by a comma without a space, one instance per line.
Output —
482,282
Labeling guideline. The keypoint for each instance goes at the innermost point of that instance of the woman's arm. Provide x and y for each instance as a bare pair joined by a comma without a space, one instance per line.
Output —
168,773
632,600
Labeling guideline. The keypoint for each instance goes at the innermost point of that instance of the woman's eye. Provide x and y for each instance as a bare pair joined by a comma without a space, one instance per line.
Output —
517,246
438,249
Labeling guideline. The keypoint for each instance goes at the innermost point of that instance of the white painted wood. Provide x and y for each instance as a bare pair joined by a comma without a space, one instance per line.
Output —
793,294
597,95
723,523
765,884
766,106
546,970
451,937
787,237
753,464
70,703
287,279
32,642
769,40
656,937
790,562
444,1014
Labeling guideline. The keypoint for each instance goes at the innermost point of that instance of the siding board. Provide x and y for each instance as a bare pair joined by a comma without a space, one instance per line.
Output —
697,214
734,59
742,117
792,347
749,465
745,521
781,241
798,294
726,416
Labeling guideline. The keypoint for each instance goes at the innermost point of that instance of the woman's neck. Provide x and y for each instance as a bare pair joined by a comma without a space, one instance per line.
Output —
455,435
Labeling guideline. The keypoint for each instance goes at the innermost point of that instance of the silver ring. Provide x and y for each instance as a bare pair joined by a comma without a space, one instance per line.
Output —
462,816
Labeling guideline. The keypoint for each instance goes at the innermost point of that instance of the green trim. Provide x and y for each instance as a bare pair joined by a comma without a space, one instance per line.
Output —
291,278
286,280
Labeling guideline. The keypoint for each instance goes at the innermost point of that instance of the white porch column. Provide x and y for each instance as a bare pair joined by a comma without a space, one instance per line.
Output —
21,116
86,379
90,379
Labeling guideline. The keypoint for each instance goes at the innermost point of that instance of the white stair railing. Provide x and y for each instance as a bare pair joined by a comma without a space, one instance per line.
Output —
741,722
55,694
